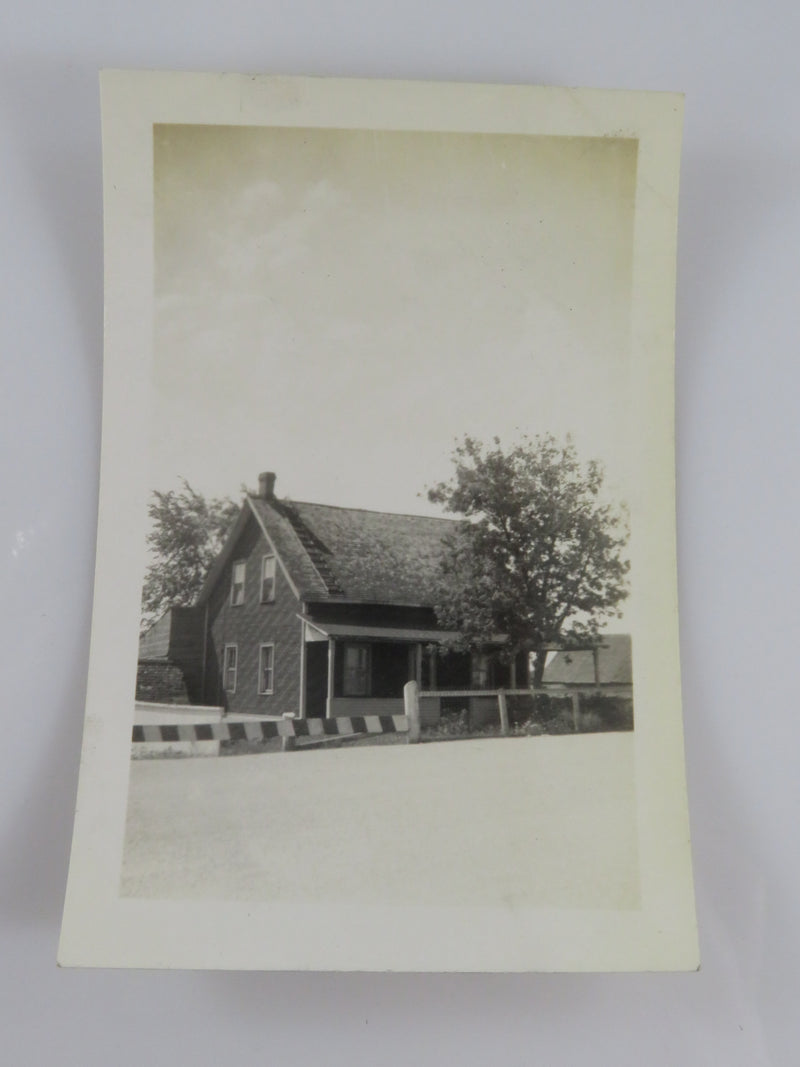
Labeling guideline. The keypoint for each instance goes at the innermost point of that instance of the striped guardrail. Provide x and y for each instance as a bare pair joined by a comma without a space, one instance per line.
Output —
263,730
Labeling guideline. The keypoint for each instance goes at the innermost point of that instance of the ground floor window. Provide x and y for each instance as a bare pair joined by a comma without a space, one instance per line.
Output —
481,671
356,671
231,662
266,668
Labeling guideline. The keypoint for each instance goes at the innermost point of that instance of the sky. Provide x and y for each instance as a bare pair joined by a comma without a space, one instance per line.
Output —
342,306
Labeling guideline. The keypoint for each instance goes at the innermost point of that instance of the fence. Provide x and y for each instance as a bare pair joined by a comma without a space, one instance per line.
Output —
413,695
288,729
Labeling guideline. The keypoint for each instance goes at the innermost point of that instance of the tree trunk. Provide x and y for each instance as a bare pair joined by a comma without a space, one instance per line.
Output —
539,660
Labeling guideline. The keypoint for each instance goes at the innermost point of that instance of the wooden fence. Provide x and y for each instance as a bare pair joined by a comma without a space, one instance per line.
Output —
413,695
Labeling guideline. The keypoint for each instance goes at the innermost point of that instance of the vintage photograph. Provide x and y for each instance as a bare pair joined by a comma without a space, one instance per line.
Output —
389,502
346,304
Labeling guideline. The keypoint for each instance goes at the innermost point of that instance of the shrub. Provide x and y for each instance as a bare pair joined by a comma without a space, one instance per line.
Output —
589,722
615,713
560,723
521,709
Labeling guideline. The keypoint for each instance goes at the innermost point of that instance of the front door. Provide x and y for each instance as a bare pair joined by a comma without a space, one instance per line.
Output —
316,678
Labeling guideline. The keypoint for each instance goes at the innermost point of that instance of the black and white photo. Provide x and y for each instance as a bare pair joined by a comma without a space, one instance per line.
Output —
385,629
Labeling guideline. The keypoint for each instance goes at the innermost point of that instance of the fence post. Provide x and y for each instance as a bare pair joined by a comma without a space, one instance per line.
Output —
576,710
501,703
411,702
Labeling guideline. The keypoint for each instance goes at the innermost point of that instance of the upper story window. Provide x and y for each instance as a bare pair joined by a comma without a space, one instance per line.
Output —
237,582
356,671
267,579
231,664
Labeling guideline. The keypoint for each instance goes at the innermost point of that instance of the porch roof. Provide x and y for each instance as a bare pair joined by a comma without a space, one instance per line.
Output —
387,633
378,633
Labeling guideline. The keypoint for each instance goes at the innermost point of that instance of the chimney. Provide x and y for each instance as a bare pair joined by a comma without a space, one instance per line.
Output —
266,485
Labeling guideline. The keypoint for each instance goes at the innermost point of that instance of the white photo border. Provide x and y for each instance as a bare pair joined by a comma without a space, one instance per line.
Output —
100,928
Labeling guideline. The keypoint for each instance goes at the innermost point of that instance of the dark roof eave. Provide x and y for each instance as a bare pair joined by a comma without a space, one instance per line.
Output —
364,601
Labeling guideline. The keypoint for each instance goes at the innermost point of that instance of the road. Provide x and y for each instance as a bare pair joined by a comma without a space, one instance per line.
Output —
539,821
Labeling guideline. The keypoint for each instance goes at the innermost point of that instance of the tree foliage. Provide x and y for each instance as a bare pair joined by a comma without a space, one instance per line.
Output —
187,533
539,555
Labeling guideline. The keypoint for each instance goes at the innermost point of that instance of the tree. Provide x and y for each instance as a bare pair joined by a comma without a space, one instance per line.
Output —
186,535
538,557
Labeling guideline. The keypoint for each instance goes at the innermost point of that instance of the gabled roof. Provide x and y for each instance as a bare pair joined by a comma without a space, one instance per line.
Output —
614,666
346,554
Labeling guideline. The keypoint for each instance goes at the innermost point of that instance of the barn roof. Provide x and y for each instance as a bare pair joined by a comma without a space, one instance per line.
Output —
577,667
347,554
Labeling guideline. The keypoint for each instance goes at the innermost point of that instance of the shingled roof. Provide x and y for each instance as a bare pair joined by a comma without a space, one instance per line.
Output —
335,553
344,554
577,667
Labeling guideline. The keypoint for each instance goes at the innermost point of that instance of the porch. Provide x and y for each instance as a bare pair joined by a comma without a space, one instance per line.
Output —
350,669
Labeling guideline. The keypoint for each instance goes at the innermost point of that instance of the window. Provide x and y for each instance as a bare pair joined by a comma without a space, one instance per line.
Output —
267,579
266,668
237,582
356,671
231,663
481,671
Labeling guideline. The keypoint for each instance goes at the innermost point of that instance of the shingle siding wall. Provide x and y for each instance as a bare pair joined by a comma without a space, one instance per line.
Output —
177,638
248,626
154,644
186,648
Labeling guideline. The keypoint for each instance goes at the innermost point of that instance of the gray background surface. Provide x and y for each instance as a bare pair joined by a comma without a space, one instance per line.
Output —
738,499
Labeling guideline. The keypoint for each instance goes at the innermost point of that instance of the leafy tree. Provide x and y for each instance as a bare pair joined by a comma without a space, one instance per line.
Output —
187,532
538,557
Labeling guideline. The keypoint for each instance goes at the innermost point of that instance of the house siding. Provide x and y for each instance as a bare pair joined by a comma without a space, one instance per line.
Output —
186,648
175,639
154,644
351,706
248,626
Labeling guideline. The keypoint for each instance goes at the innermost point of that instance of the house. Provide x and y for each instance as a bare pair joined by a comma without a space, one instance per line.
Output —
170,659
323,611
599,681
608,666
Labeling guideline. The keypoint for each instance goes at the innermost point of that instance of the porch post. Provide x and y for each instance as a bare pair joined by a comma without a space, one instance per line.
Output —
503,707
331,661
434,661
418,666
203,683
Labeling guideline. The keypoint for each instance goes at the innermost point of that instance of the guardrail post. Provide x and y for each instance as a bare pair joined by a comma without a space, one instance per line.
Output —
411,702
502,704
